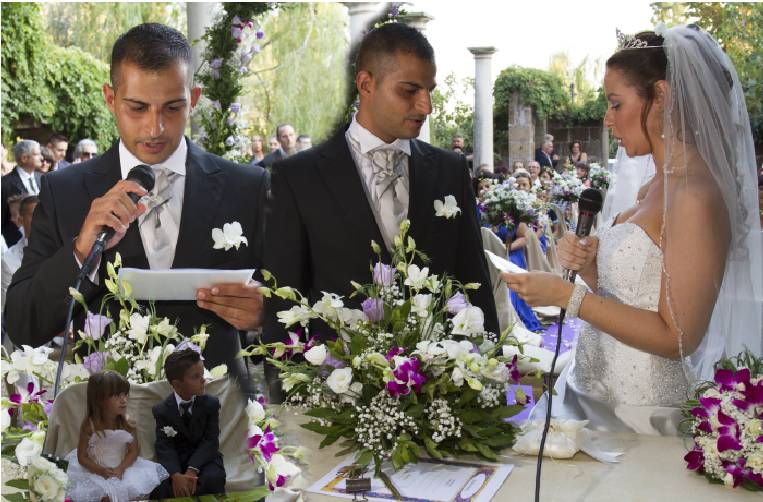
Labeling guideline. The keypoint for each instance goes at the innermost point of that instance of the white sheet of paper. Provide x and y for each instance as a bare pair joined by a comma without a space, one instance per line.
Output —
503,264
178,283
430,480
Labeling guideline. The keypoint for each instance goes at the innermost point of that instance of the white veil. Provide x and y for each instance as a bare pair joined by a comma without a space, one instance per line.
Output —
706,109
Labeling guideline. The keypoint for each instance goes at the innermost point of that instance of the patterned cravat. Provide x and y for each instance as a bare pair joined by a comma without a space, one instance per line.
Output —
185,411
389,192
157,225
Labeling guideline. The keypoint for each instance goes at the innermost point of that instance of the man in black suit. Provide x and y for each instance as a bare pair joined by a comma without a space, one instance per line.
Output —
546,157
151,98
188,431
24,179
287,139
328,203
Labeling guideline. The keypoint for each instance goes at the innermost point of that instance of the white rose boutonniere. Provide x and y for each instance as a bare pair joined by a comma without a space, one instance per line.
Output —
447,208
169,431
230,236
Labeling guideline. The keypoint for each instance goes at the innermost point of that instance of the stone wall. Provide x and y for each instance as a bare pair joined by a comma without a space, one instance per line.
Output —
522,125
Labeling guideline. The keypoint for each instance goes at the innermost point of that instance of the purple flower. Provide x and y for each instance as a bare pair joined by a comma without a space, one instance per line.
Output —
235,32
261,399
245,58
333,361
383,274
236,21
231,120
695,459
95,324
216,63
393,352
407,376
457,303
265,442
514,370
217,106
260,34
235,107
243,69
215,73
373,308
230,141
256,49
94,362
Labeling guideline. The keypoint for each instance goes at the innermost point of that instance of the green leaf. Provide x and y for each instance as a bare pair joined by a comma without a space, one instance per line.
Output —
467,444
506,411
365,458
486,452
21,484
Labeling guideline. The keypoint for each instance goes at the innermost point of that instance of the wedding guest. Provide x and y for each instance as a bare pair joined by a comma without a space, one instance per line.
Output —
257,149
328,203
274,144
47,159
5,166
581,172
534,168
659,314
546,179
85,150
545,155
576,153
188,430
523,181
304,142
24,179
151,96
518,164
13,256
58,144
106,465
287,145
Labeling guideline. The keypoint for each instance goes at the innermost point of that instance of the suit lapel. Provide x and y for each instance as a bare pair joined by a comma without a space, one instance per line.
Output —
423,175
340,175
204,186
104,173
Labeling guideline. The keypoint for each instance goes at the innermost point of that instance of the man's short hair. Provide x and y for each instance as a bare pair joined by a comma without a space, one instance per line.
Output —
457,136
149,46
280,126
548,137
387,40
24,147
179,362
27,201
82,144
57,138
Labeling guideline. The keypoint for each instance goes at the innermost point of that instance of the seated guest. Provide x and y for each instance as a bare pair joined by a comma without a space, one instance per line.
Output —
534,168
581,172
257,149
187,430
576,153
24,179
86,149
304,142
287,145
518,164
58,144
106,466
13,256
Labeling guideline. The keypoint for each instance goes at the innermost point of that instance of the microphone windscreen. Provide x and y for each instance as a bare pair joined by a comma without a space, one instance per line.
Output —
143,175
590,200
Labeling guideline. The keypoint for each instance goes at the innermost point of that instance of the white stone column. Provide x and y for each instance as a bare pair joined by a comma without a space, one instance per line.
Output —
361,14
483,106
419,21
200,17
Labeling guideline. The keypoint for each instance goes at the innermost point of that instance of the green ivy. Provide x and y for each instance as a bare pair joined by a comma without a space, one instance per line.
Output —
56,86
540,89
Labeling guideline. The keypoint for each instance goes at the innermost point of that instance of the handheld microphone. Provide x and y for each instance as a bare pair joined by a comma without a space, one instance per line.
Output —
141,174
589,206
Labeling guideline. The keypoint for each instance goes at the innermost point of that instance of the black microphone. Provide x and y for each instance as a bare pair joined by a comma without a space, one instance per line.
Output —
589,205
141,174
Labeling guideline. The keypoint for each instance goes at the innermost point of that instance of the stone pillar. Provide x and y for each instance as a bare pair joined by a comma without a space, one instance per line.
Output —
521,131
200,17
361,14
419,21
483,106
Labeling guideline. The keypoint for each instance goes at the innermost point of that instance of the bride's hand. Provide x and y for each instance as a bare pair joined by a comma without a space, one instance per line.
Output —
575,253
539,289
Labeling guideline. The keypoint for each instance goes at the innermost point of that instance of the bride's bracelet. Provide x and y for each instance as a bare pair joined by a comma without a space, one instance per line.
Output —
576,299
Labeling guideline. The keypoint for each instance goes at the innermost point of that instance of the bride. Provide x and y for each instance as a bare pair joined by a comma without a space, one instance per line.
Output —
675,281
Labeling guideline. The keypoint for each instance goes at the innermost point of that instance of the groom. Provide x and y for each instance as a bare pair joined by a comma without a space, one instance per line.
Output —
328,203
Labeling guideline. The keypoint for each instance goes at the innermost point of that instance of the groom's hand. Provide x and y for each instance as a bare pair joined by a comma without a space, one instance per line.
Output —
238,304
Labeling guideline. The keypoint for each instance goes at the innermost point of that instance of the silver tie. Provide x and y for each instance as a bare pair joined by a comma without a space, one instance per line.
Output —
157,224
389,191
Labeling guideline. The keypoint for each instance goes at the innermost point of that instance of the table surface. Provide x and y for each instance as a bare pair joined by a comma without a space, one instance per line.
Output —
652,468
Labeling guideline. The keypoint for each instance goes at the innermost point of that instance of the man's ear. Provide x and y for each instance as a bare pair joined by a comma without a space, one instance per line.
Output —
108,96
364,81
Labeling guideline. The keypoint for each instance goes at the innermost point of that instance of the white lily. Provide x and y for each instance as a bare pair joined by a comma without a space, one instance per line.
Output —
447,208
416,277
230,236
138,327
469,321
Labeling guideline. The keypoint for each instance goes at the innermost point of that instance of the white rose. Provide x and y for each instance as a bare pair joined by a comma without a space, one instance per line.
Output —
469,321
255,412
46,486
316,355
26,450
339,380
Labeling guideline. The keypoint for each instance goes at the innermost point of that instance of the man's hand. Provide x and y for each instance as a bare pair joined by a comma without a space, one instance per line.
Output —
115,210
183,485
240,305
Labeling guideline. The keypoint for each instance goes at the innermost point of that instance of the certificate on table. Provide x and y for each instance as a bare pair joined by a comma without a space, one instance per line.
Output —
178,283
430,480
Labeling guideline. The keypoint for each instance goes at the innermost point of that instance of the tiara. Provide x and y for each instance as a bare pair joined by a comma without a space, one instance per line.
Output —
625,42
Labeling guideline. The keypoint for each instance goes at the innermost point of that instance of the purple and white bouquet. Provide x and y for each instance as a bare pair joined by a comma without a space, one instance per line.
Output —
601,178
502,204
726,421
412,372
566,188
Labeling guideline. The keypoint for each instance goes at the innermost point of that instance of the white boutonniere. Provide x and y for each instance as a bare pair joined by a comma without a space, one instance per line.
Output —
229,237
169,431
447,208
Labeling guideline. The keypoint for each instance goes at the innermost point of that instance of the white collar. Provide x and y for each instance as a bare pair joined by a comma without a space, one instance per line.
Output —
179,399
175,162
23,174
368,141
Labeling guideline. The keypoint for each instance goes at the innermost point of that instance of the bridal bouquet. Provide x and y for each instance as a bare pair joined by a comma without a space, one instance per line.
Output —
566,188
413,373
726,421
600,178
504,205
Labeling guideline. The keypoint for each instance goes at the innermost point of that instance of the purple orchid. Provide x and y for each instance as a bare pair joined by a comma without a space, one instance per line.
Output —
514,370
393,352
265,442
407,376
383,274
373,308
457,303
695,459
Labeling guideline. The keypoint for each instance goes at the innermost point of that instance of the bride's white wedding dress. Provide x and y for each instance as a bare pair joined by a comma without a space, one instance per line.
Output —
614,386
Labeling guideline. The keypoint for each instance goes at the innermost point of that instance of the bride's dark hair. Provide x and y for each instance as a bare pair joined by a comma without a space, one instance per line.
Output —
642,68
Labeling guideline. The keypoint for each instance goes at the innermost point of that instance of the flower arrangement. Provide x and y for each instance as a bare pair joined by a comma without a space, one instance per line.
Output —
566,188
413,372
726,420
600,177
502,204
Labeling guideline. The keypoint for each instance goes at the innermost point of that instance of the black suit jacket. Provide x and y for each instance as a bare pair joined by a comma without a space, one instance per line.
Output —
12,185
216,192
271,158
192,446
546,161
320,225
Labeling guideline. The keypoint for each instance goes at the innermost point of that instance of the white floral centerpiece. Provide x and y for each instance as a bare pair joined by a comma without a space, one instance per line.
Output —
600,178
411,373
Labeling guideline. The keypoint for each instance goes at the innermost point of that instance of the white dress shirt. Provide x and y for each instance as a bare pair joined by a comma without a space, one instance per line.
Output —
180,400
29,182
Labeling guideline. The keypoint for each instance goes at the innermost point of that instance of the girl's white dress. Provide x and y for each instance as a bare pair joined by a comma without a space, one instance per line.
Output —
108,449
